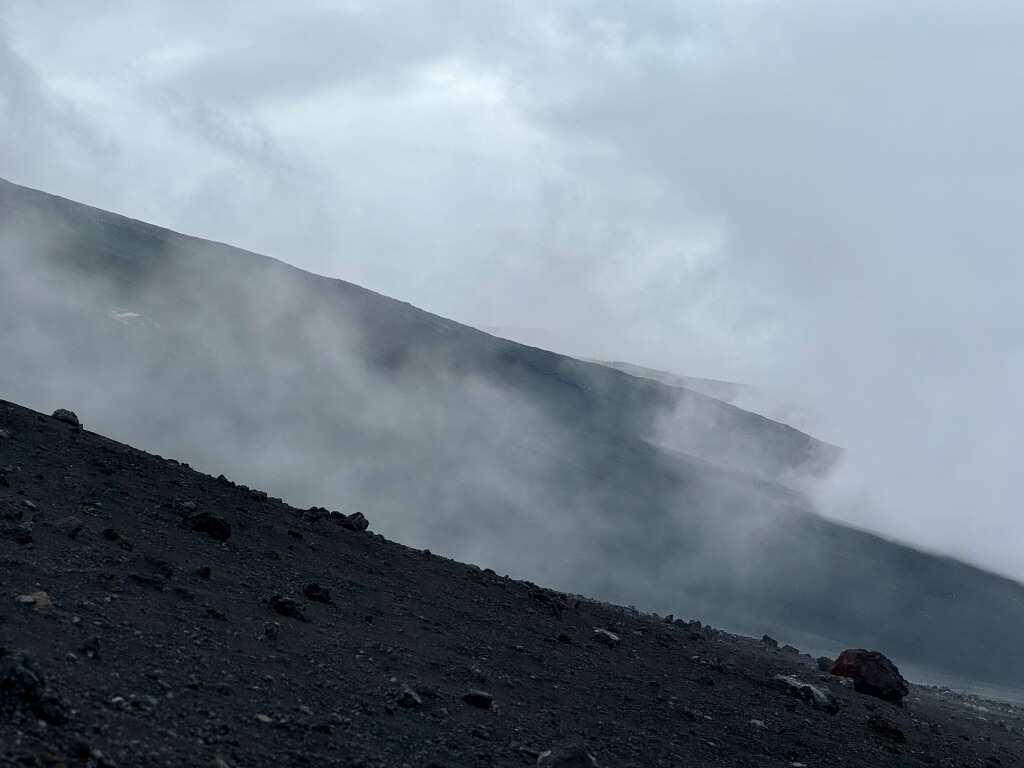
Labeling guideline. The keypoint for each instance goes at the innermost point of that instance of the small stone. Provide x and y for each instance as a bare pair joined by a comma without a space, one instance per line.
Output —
21,684
68,417
217,528
409,698
91,647
287,607
770,641
70,526
115,537
825,664
605,637
790,649
884,728
316,593
818,697
479,699
572,756
565,639
355,522
40,599
204,571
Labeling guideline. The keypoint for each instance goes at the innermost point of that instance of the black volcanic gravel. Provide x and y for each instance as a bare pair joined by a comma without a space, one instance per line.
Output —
137,629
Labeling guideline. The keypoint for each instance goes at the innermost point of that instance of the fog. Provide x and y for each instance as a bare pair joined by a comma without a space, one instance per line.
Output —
805,196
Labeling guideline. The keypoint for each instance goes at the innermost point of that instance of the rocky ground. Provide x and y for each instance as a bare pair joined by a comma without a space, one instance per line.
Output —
153,615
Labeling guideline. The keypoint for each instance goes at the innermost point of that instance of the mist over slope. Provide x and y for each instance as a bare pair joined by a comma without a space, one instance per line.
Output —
529,462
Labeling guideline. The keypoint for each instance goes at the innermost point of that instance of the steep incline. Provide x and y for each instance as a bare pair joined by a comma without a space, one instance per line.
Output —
526,461
139,626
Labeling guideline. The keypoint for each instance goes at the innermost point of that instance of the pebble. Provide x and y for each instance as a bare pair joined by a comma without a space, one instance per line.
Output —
479,699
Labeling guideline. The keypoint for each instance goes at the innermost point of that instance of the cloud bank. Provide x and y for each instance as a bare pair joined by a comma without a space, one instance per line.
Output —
818,197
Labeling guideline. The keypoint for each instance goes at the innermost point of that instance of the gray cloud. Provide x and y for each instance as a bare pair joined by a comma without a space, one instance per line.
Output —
813,196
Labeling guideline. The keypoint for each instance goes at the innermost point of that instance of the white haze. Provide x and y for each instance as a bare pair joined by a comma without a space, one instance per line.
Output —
283,394
816,197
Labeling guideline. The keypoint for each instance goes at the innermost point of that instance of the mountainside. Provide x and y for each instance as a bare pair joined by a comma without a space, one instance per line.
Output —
531,463
153,615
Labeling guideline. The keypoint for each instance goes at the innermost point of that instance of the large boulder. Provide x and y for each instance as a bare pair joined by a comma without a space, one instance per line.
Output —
872,673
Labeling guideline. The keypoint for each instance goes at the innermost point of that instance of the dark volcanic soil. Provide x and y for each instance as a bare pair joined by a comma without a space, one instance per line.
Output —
161,644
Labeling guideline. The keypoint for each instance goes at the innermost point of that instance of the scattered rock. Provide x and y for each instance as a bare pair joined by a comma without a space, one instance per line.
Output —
825,664
91,648
606,637
39,599
23,534
156,581
480,699
287,607
790,649
115,537
556,602
409,698
884,728
770,641
258,495
70,526
565,639
216,528
316,593
573,756
68,417
204,571
872,673
819,697
21,684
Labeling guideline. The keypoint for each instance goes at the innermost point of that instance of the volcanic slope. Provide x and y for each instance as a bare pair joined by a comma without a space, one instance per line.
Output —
154,615
529,462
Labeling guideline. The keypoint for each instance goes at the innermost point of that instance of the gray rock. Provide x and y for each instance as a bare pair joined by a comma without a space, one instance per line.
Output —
409,698
70,526
572,756
287,607
68,417
818,697
21,684
480,699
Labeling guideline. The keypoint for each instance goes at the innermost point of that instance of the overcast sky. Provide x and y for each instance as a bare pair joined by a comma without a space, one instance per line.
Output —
820,197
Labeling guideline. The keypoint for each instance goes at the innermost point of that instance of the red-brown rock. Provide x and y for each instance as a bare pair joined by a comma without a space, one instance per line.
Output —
872,673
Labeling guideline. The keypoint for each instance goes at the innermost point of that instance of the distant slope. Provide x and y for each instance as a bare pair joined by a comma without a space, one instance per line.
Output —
532,463
775,405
